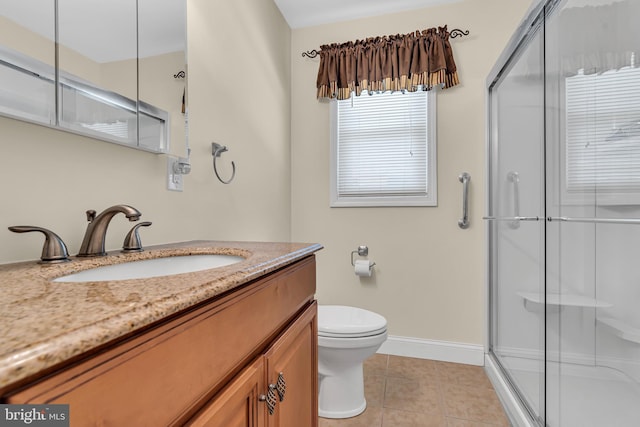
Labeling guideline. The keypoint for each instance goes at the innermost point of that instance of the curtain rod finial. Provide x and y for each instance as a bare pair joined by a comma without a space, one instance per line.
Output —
310,53
456,32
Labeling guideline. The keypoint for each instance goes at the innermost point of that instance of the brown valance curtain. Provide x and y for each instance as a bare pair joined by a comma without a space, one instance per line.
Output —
419,60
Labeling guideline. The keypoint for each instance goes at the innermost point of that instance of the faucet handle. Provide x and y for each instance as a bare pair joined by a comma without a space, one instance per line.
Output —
132,242
54,249
91,215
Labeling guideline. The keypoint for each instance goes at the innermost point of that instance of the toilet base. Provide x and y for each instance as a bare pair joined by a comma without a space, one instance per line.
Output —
342,395
345,414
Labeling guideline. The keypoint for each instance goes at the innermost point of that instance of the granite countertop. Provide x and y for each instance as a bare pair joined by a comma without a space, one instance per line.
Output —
45,323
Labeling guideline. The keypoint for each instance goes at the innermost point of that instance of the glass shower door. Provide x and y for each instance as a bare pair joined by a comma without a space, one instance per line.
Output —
593,205
564,215
516,223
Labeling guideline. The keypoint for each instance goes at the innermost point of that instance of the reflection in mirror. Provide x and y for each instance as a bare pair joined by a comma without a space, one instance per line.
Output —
161,56
97,60
27,60
115,72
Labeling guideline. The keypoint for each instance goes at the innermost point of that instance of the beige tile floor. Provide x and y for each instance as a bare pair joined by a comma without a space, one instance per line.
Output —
407,392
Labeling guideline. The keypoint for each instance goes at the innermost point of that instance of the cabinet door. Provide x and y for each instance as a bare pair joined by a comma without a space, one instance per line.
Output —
294,357
237,404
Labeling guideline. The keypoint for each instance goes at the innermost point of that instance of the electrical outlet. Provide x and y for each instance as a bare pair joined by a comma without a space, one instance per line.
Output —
174,180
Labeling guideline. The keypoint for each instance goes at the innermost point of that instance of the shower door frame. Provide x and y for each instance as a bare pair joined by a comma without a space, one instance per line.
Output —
518,411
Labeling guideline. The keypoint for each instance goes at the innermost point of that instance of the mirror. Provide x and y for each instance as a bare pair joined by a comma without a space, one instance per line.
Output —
27,61
97,69
116,63
162,67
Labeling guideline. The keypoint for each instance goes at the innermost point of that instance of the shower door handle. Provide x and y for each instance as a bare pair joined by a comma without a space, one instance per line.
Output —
629,221
511,218
514,177
514,221
464,221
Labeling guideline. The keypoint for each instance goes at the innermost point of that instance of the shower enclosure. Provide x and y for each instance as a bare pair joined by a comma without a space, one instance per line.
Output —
563,216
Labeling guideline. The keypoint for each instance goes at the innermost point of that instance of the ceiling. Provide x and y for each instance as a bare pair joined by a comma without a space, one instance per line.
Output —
307,13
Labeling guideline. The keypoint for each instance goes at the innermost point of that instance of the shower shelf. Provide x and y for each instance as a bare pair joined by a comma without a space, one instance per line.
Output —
620,329
563,300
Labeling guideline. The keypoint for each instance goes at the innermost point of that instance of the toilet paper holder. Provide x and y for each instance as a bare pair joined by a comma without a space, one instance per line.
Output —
361,251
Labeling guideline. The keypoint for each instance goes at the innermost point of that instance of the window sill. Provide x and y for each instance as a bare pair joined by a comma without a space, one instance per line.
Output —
383,202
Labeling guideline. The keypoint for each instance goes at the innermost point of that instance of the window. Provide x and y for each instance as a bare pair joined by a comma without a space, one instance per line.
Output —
383,150
603,135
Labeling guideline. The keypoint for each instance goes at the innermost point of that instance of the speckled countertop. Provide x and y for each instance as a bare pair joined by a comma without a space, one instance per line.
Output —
44,323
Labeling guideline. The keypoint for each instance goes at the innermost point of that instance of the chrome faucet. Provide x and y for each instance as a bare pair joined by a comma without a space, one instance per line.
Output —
94,237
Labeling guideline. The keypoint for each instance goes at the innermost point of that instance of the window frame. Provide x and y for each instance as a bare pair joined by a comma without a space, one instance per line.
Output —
429,199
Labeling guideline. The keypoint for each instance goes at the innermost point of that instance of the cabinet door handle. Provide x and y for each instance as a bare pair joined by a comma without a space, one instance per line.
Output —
281,386
270,399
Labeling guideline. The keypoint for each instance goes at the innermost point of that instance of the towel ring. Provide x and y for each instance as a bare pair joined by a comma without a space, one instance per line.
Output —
216,150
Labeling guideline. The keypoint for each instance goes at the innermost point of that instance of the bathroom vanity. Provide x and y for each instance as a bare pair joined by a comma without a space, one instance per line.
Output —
234,345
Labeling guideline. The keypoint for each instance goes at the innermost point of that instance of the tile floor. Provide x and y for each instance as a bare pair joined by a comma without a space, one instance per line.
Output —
407,392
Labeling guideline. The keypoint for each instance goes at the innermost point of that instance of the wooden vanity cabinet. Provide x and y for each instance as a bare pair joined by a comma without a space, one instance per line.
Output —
243,402
208,367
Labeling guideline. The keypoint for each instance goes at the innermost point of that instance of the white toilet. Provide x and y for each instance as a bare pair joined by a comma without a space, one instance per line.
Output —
346,337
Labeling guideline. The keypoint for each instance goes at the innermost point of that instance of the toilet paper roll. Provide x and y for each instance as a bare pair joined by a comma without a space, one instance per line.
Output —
363,267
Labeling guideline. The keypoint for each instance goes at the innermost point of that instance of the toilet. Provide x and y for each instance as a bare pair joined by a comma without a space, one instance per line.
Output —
346,337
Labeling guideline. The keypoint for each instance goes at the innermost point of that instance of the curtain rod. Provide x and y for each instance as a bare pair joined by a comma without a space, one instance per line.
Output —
456,32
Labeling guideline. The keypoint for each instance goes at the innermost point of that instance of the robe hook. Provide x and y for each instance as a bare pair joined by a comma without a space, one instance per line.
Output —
216,150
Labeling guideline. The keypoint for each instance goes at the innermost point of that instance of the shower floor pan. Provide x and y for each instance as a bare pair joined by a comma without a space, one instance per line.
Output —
580,395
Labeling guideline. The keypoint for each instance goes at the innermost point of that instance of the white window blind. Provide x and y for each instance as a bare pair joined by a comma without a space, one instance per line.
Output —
118,128
603,132
384,149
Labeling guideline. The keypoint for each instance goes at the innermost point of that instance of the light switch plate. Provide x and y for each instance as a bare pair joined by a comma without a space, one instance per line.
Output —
174,180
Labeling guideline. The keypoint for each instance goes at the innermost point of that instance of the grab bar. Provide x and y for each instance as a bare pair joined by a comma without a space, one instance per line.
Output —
515,178
464,179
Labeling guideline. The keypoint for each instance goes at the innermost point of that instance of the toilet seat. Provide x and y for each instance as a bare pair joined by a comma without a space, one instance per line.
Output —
352,335
351,342
338,321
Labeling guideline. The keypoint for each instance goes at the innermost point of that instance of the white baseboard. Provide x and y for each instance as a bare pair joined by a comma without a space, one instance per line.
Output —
445,351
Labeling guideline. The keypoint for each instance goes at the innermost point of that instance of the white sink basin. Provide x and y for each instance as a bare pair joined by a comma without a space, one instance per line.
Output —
151,268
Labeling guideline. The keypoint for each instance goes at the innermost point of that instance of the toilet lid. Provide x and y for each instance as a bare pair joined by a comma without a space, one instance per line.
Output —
347,322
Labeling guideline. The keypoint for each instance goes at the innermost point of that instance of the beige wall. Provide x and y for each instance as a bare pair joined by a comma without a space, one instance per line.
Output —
429,277
51,178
